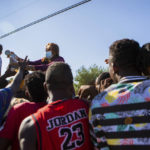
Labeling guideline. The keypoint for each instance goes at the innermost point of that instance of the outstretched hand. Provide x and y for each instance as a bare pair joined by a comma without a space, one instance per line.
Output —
24,63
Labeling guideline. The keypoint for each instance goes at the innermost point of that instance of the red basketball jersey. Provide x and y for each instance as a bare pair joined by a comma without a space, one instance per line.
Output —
63,125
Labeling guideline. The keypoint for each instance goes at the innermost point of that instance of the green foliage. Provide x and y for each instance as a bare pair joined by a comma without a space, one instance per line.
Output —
87,76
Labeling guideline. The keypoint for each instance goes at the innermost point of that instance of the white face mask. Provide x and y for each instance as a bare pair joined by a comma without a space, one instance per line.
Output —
48,54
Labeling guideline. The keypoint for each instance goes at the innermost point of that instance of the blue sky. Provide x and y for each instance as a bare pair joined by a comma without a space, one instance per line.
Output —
83,34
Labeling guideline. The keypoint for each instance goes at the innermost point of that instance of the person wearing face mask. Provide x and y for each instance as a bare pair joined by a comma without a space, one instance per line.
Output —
51,56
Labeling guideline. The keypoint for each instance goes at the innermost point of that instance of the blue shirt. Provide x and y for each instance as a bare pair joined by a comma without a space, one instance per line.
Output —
5,98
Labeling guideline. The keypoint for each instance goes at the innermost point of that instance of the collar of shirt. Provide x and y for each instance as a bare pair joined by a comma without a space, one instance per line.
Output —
132,79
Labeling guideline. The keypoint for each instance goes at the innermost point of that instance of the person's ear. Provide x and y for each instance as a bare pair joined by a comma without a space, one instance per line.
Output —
45,86
115,68
27,94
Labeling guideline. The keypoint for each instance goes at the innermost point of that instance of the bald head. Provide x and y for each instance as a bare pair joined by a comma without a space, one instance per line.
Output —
58,76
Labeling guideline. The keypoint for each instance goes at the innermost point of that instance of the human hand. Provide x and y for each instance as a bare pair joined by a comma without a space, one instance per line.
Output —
104,84
12,52
23,64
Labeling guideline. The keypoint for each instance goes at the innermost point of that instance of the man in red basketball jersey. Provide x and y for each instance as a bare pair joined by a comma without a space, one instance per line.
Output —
63,123
37,96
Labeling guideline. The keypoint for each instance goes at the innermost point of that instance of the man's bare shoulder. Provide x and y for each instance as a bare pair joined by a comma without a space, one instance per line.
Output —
27,134
26,124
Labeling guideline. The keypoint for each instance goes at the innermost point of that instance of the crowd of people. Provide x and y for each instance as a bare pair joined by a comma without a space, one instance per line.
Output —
39,109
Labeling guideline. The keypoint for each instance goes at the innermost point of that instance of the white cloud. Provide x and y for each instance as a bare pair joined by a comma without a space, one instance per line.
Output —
6,27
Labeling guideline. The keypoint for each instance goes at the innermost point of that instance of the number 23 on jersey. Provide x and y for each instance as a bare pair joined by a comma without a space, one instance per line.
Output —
73,136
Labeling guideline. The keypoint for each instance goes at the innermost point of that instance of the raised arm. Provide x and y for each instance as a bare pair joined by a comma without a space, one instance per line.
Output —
37,62
19,76
6,94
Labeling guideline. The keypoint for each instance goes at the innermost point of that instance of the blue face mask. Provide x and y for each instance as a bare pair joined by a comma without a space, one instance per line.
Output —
48,54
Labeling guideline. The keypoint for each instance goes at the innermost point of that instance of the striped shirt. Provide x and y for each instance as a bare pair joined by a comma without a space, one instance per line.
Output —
120,116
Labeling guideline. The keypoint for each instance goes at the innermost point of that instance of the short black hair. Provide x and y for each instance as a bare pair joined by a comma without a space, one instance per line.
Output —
34,84
1,48
58,76
102,76
143,60
124,52
146,46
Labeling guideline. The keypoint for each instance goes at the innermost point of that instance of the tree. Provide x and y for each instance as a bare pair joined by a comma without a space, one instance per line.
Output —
87,76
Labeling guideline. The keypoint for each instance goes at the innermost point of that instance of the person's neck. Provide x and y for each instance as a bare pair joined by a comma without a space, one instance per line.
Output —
124,73
58,96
